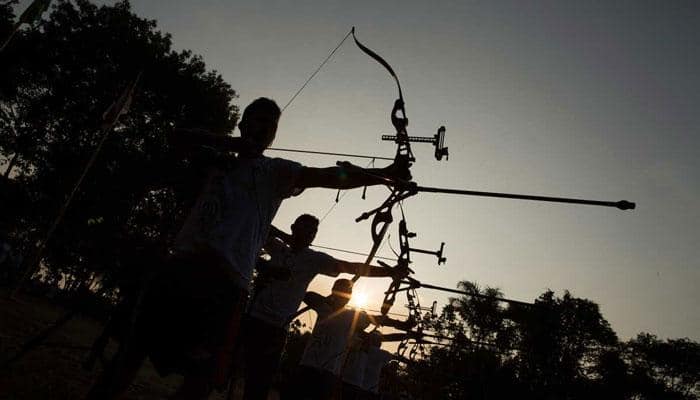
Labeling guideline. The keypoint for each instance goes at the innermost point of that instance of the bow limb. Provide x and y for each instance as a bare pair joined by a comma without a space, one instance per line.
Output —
398,113
378,59
383,218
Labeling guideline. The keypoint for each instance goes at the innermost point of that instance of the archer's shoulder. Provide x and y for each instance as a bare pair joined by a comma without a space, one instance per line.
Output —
315,254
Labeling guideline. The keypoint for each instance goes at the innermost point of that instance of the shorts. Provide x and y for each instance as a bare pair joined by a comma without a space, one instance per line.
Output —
315,384
191,316
263,345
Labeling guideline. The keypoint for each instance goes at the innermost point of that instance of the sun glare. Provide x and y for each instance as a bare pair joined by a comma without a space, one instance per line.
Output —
359,299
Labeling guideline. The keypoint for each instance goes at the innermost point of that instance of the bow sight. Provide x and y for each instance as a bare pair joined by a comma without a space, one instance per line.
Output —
438,140
404,235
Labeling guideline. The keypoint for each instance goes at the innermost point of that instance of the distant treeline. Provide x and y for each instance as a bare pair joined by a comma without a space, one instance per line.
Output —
562,348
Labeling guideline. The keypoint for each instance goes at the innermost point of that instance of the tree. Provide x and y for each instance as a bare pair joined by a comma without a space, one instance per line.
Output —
663,369
63,75
477,362
551,350
561,340
483,315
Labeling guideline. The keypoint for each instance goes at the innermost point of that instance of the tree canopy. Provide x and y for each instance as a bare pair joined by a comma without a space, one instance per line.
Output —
558,348
59,77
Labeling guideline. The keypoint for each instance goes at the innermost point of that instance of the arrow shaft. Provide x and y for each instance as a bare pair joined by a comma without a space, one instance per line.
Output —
326,153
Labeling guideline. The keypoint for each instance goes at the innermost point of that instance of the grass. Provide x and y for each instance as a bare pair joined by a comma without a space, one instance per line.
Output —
53,370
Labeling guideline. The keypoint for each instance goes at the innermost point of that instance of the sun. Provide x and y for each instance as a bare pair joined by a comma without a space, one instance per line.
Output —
359,299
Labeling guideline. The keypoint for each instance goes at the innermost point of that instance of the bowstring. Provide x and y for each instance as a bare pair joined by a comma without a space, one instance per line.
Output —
303,86
403,216
316,71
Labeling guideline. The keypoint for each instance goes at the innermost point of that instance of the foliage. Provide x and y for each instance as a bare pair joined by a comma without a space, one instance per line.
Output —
560,348
667,369
62,74
561,338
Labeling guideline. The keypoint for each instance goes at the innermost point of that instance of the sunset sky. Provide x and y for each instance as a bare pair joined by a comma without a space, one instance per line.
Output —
595,100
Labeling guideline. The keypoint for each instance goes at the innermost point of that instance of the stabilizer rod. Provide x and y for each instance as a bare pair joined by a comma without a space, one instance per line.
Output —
437,253
418,284
622,204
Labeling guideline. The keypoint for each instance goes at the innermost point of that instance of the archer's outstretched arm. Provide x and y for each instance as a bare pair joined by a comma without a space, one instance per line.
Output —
350,178
395,337
394,323
363,269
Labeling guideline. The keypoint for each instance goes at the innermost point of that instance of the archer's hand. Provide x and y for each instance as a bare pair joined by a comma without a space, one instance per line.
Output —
415,335
398,273
398,171
409,323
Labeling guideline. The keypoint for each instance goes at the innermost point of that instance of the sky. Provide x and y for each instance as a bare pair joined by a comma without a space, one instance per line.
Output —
594,100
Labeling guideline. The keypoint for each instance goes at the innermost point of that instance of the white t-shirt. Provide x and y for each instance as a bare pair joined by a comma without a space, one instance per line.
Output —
354,369
376,360
234,210
279,299
329,339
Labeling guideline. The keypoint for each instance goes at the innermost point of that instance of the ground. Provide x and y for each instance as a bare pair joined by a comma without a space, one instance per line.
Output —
53,370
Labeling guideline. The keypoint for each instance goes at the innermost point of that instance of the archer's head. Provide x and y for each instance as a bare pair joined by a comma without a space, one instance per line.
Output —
342,291
304,230
259,123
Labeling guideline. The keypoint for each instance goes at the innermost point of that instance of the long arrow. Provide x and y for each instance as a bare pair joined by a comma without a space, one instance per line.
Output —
326,153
